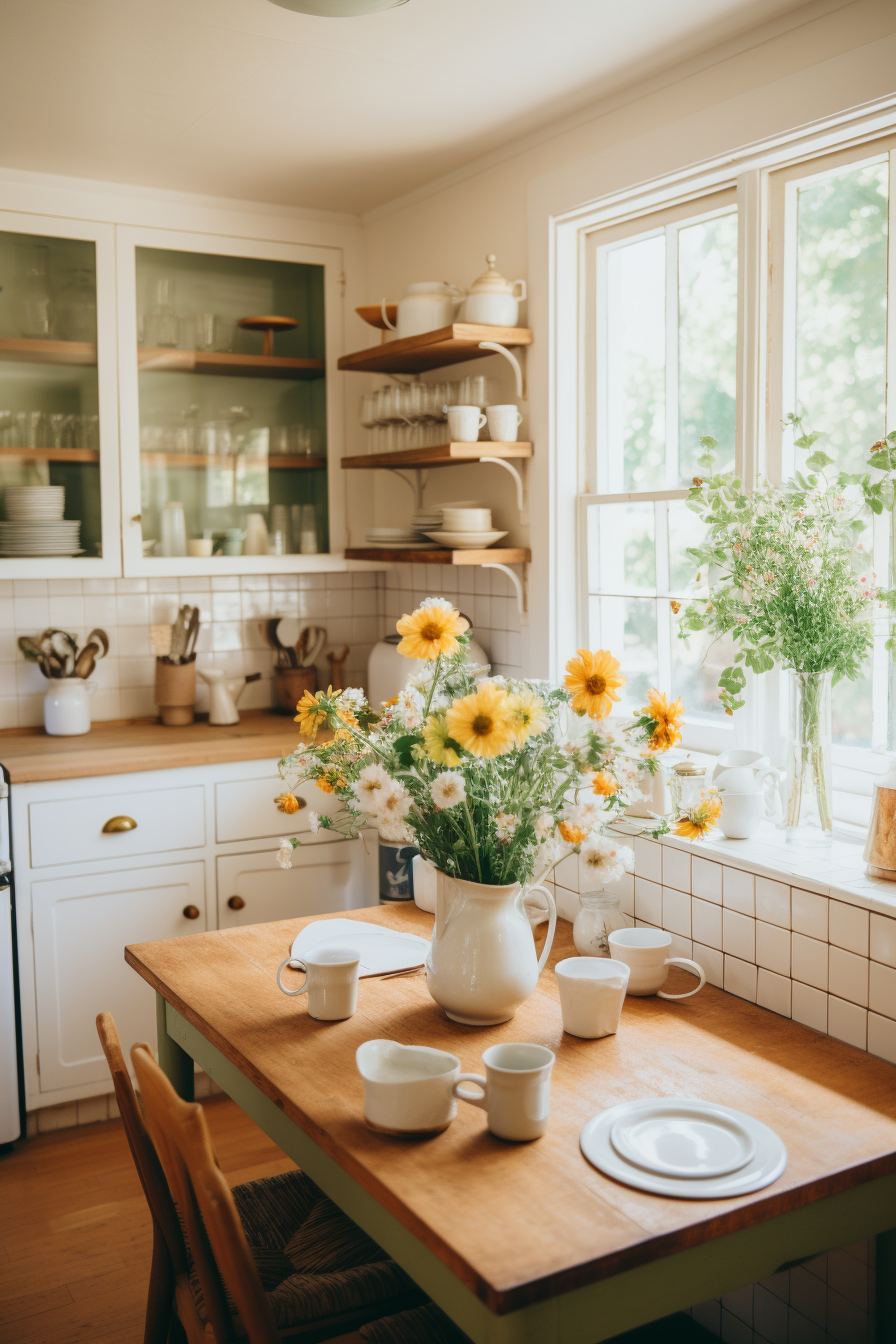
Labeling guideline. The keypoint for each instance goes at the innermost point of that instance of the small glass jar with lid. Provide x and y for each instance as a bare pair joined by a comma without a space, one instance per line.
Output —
598,917
686,785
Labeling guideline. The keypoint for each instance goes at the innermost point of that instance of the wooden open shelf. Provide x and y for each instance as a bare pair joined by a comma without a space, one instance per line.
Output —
52,454
280,463
439,455
507,555
433,349
26,351
150,360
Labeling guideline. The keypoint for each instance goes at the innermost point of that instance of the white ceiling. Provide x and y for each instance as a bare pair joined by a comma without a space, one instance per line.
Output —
242,99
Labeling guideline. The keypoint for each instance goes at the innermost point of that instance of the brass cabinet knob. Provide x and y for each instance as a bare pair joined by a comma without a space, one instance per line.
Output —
236,903
115,825
191,912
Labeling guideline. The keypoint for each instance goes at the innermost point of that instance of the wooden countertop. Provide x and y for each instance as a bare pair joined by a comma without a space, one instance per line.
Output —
521,1223
143,744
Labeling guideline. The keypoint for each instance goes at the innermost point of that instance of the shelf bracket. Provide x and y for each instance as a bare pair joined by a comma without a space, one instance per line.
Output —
521,586
416,487
522,494
521,390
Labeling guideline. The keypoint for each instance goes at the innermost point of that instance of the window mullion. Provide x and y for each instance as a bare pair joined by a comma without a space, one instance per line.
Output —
673,472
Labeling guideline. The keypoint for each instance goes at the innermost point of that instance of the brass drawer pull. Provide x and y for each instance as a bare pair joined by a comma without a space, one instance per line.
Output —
236,903
115,825
191,912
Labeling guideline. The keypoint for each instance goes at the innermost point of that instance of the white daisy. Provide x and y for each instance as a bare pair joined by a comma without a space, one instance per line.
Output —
505,825
371,786
606,860
441,602
395,804
314,822
544,825
448,789
284,853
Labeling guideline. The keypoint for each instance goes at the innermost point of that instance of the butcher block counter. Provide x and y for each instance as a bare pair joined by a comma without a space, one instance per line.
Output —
120,748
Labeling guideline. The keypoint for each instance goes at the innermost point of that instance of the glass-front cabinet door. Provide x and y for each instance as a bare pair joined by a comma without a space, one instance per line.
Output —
58,430
225,415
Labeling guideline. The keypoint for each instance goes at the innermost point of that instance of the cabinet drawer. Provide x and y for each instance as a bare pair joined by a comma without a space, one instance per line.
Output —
70,830
244,808
338,875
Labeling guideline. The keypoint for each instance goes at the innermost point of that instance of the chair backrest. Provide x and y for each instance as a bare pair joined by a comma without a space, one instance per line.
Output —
149,1169
220,1250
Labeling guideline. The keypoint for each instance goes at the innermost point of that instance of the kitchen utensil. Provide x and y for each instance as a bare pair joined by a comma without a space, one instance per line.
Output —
174,529
464,423
427,306
466,541
516,1090
681,1130
86,660
381,950
492,300
466,520
644,952
309,644
224,692
62,646
189,651
67,707
503,423
408,1089
160,639
592,991
337,663
331,982
268,325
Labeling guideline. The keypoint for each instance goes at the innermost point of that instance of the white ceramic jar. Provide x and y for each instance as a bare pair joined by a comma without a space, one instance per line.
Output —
493,301
67,707
427,306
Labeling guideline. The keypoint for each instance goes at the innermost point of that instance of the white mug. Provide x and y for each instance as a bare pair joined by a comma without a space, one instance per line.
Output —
743,813
644,953
408,1089
331,981
503,423
464,423
516,1090
592,990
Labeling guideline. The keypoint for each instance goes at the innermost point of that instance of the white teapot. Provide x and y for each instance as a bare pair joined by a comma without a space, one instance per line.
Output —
493,301
427,306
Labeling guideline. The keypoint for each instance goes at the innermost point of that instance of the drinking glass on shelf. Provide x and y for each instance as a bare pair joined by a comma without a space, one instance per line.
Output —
475,391
31,430
58,430
174,529
205,331
7,425
160,325
36,308
76,307
368,410
282,440
308,530
280,539
216,438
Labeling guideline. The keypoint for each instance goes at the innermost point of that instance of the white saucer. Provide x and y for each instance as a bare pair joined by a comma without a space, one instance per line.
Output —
381,950
466,541
682,1138
765,1166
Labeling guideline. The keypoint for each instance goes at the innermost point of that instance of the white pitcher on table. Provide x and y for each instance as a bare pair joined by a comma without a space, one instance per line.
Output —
481,963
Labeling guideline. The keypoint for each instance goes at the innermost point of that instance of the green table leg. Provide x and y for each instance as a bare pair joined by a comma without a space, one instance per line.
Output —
885,1290
174,1062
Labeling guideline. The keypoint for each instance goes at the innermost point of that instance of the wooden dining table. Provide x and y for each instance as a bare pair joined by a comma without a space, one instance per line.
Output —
528,1243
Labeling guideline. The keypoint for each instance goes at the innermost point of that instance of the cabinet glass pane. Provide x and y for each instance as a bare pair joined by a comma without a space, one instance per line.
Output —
233,429
49,425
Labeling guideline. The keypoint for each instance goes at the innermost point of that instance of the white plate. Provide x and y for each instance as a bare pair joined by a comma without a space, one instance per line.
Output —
766,1165
402,545
466,541
381,950
36,554
682,1138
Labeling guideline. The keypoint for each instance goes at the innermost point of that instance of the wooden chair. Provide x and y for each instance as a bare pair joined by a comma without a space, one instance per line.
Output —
273,1259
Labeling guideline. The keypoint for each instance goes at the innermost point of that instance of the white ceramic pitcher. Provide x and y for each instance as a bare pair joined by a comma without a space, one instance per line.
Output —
481,964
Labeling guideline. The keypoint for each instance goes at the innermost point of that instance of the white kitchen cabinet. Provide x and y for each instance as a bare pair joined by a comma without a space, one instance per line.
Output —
244,809
81,927
69,830
324,877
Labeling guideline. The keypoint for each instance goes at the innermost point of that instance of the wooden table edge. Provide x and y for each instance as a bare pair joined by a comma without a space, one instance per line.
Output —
512,1297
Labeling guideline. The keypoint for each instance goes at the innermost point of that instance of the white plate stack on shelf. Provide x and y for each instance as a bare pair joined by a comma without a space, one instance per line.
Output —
35,525
466,526
426,520
683,1147
397,539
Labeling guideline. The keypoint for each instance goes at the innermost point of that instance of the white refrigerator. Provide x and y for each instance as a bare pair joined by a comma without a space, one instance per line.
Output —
10,1123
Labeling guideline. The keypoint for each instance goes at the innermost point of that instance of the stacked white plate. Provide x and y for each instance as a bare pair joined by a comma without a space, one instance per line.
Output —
426,520
684,1147
50,538
35,503
397,539
466,541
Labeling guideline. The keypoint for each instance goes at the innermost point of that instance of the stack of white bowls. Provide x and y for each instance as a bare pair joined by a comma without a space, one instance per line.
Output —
396,539
426,520
466,526
35,525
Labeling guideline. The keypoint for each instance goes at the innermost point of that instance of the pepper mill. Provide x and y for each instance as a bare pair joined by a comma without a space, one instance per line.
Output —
880,847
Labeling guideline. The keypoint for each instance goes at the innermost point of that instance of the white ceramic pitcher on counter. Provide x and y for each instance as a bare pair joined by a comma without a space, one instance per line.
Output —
481,963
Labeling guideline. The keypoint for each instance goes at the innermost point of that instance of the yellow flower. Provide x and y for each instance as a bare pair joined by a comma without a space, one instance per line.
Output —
310,716
604,785
666,718
288,803
481,723
528,714
573,835
700,820
436,737
593,680
387,704
324,785
429,632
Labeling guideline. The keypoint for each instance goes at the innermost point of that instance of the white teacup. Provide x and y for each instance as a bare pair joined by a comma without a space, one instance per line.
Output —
331,981
516,1090
503,423
466,520
408,1089
644,953
199,546
464,423
592,990
743,813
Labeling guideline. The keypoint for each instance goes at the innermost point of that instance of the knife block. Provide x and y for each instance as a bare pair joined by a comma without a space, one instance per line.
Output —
176,691
290,684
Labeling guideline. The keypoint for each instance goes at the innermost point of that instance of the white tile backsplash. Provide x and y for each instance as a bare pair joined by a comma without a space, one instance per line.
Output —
738,891
706,879
809,914
773,902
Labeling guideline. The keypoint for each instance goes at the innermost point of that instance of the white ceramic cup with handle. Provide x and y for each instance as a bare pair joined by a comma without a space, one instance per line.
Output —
331,981
645,953
592,990
503,423
464,423
516,1090
408,1089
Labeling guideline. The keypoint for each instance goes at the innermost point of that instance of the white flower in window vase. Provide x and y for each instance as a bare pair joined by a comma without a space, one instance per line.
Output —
494,781
789,582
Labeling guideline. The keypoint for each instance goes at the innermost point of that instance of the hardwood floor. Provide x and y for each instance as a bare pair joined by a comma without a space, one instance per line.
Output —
75,1234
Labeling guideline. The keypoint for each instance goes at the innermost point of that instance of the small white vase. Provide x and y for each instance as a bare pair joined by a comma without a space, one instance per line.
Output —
481,963
67,707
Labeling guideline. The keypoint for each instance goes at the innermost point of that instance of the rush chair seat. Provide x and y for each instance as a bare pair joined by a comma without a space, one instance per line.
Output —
323,1275
419,1325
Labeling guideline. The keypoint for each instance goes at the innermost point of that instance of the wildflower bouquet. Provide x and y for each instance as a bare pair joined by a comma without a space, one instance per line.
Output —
493,779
